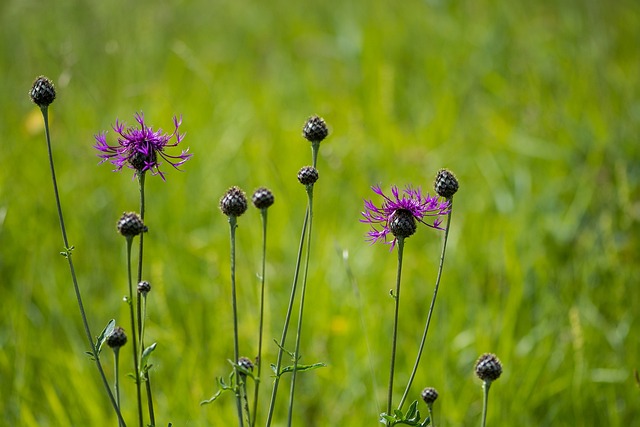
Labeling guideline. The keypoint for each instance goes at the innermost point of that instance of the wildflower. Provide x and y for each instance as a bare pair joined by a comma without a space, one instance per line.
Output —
315,129
262,198
446,183
140,149
396,215
488,367
234,202
42,92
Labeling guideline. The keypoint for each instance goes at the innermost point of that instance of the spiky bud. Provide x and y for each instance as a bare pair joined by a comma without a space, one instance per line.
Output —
429,395
234,202
488,367
262,198
42,92
308,175
315,129
246,364
117,338
130,224
402,223
144,288
446,183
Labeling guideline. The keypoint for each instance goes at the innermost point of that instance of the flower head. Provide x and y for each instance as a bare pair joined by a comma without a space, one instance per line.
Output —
42,92
488,367
234,202
141,148
117,338
315,129
130,224
396,215
262,198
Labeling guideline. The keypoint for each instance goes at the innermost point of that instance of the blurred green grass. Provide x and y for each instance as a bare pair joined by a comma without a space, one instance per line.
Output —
534,106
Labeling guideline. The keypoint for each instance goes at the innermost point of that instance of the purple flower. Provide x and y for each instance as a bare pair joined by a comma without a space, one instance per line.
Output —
141,148
394,211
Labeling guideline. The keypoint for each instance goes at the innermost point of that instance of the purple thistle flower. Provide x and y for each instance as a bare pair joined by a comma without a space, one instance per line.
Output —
139,148
412,202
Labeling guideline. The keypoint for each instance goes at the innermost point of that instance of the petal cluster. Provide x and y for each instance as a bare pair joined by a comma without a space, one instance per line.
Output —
141,148
410,200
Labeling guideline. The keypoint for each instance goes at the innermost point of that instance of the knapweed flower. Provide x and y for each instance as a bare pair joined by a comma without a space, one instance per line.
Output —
141,148
398,215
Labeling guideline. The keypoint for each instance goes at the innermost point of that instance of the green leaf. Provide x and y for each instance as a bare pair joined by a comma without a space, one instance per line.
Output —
146,354
102,338
302,368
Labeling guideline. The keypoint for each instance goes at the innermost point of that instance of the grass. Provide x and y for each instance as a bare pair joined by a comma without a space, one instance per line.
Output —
534,107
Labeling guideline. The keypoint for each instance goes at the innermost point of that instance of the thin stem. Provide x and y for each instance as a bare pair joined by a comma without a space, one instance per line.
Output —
136,361
485,401
76,287
433,302
116,385
303,291
258,378
152,418
236,353
245,400
285,328
395,324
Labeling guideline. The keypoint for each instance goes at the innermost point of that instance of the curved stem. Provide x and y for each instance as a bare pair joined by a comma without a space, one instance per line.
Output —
433,302
136,361
236,353
394,340
303,291
263,213
287,320
76,287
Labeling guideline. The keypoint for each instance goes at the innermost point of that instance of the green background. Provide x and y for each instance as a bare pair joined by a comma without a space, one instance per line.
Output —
534,105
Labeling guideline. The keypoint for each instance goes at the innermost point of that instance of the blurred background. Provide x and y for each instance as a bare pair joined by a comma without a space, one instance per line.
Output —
534,106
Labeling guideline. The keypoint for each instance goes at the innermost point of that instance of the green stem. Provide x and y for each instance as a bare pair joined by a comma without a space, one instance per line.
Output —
136,361
147,383
395,324
287,320
263,213
116,386
303,291
76,288
233,223
485,401
433,302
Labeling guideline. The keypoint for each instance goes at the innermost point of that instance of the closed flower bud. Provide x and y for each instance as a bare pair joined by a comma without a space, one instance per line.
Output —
117,338
446,183
429,395
42,92
488,367
130,224
234,202
144,287
315,129
262,198
308,175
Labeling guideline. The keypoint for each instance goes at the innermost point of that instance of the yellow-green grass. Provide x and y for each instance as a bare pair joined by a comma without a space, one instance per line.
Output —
535,107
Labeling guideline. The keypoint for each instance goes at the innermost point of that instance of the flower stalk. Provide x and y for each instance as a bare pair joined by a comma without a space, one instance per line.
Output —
43,94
